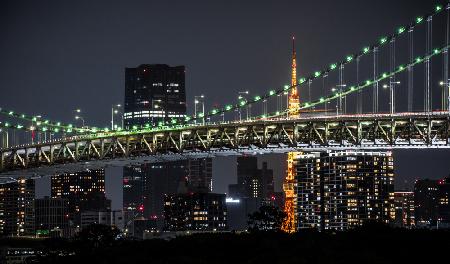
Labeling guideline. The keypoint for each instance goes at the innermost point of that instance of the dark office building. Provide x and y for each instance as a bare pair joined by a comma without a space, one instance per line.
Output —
404,209
16,208
52,217
154,93
85,190
426,202
238,210
431,200
343,189
145,187
195,212
200,175
251,181
444,202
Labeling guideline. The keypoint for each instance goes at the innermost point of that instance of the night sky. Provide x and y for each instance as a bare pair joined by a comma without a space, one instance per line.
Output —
56,56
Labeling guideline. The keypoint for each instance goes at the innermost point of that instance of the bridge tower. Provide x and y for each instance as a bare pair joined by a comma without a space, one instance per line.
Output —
289,224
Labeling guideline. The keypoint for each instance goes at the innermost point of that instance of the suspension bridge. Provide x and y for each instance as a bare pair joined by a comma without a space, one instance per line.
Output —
393,93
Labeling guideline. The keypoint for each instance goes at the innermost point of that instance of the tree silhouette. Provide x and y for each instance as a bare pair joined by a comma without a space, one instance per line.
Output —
98,236
267,218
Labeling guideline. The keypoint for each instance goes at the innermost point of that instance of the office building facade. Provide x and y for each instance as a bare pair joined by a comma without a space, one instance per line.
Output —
195,212
200,175
343,189
431,200
113,218
17,208
145,187
85,190
154,94
252,182
52,217
404,209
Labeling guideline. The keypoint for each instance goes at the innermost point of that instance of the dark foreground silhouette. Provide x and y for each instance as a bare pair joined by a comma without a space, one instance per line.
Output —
369,244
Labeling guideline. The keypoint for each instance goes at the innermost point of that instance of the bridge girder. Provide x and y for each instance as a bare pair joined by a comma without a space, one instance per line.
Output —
384,132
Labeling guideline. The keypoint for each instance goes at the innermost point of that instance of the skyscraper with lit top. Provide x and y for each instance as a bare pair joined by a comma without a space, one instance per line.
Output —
154,94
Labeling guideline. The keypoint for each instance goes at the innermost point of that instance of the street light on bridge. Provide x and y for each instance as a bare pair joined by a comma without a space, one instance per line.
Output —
115,111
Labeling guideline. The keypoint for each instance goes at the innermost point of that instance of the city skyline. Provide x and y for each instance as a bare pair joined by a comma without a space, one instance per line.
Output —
104,77
224,131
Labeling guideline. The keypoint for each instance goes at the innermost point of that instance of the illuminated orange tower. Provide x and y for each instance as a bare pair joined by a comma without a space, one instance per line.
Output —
294,101
289,224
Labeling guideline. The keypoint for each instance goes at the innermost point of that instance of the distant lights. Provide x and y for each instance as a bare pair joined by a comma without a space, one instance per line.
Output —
349,58
383,40
436,51
317,74
401,30
438,8
419,20
272,92
366,50
333,66
368,82
302,80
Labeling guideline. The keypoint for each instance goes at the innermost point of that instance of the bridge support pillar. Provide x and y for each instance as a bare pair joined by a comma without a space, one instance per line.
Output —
2,161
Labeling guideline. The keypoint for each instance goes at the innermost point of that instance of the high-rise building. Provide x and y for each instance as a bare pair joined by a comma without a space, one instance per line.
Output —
444,202
145,187
426,202
339,190
154,94
200,175
195,212
252,182
16,208
52,217
85,191
404,209
431,199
